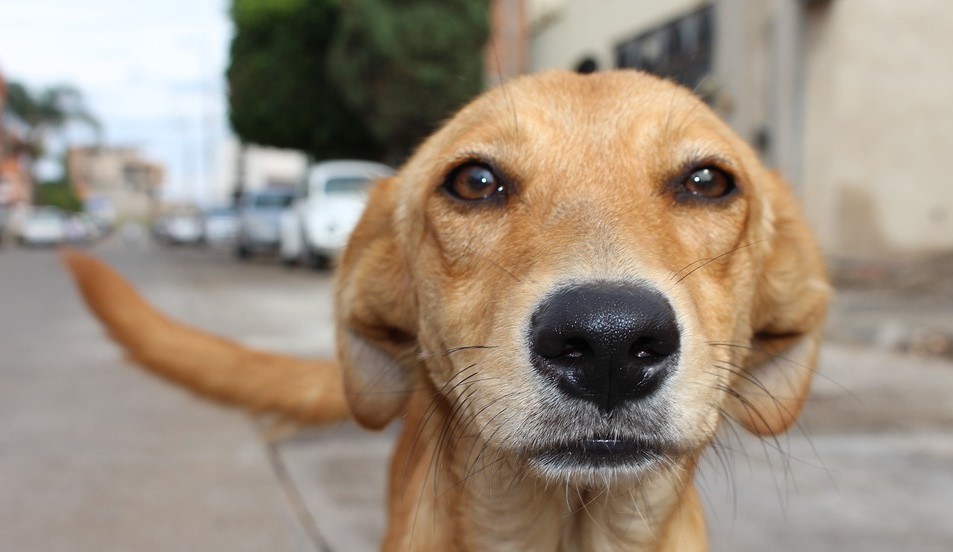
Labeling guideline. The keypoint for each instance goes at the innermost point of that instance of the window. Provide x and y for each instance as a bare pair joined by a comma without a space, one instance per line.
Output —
680,50
273,200
346,185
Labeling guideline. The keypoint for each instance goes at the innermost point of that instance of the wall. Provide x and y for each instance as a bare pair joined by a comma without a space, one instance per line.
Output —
262,167
119,174
879,126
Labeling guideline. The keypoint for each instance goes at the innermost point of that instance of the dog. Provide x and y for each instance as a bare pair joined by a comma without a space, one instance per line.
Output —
562,294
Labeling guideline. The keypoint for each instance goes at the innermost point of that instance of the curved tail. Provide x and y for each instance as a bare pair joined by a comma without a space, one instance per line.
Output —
304,390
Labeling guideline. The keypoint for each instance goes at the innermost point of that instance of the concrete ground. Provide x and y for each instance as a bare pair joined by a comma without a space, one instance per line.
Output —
96,455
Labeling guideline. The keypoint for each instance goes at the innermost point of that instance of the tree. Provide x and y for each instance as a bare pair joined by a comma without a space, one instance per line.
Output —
364,78
279,91
58,193
45,113
409,64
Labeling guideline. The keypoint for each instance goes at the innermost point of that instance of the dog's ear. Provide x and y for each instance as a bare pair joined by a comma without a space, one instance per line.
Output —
788,314
376,314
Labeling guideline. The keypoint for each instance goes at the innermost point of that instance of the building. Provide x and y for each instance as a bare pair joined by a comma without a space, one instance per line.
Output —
16,189
848,98
115,182
251,168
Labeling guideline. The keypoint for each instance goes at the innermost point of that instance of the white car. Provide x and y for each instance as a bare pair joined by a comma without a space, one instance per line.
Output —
179,228
325,210
221,225
43,226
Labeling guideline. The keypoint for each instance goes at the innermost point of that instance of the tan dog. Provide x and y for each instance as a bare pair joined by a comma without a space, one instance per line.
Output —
562,294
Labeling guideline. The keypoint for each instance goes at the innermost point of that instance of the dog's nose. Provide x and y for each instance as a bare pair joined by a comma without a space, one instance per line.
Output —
605,342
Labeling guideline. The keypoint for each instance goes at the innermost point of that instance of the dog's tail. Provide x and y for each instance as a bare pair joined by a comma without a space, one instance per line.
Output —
303,390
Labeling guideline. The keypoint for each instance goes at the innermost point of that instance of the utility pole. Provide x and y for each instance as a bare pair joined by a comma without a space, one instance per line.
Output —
240,174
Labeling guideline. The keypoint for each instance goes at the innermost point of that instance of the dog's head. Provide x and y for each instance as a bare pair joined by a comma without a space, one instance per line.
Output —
592,271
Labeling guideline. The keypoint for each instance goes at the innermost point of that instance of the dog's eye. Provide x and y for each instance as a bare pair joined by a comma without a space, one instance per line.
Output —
474,182
708,183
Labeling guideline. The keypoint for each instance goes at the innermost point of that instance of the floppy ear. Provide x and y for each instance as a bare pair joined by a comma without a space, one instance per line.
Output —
376,315
789,309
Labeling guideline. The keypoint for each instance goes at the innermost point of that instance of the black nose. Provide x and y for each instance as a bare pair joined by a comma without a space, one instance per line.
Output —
605,342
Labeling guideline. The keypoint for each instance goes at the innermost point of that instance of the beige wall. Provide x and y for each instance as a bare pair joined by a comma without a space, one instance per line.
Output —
120,174
262,166
879,126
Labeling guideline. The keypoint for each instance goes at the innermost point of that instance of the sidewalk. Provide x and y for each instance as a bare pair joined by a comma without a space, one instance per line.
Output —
902,304
96,455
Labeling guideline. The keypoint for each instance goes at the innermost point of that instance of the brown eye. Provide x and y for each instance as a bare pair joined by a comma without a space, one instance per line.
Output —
474,182
708,183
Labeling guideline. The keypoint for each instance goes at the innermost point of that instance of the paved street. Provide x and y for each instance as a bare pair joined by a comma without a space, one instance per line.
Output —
96,455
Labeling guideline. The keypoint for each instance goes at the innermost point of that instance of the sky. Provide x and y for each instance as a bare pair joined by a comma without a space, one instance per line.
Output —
151,71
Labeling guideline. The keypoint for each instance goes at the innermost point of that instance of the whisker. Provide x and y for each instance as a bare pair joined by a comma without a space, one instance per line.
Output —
780,356
706,262
428,414
485,257
450,351
488,439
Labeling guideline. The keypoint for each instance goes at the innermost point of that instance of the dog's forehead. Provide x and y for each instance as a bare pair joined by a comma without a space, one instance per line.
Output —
612,105
620,117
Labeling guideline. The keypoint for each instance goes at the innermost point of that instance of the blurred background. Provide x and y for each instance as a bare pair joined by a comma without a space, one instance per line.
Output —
201,145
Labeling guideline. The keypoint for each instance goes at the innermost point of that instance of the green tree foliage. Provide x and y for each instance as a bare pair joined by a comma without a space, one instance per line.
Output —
60,194
352,78
409,64
46,112
279,90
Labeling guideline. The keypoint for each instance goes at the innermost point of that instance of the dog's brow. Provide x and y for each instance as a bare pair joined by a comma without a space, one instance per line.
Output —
696,153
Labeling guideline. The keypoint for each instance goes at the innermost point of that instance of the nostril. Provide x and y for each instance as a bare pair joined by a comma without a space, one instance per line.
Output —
649,349
645,349
561,350
575,348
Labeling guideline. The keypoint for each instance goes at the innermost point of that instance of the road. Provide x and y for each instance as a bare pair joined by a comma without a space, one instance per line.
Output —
97,455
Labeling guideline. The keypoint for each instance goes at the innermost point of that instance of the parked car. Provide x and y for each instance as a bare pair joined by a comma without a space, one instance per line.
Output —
178,229
43,226
102,211
82,228
259,215
221,225
158,229
326,208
